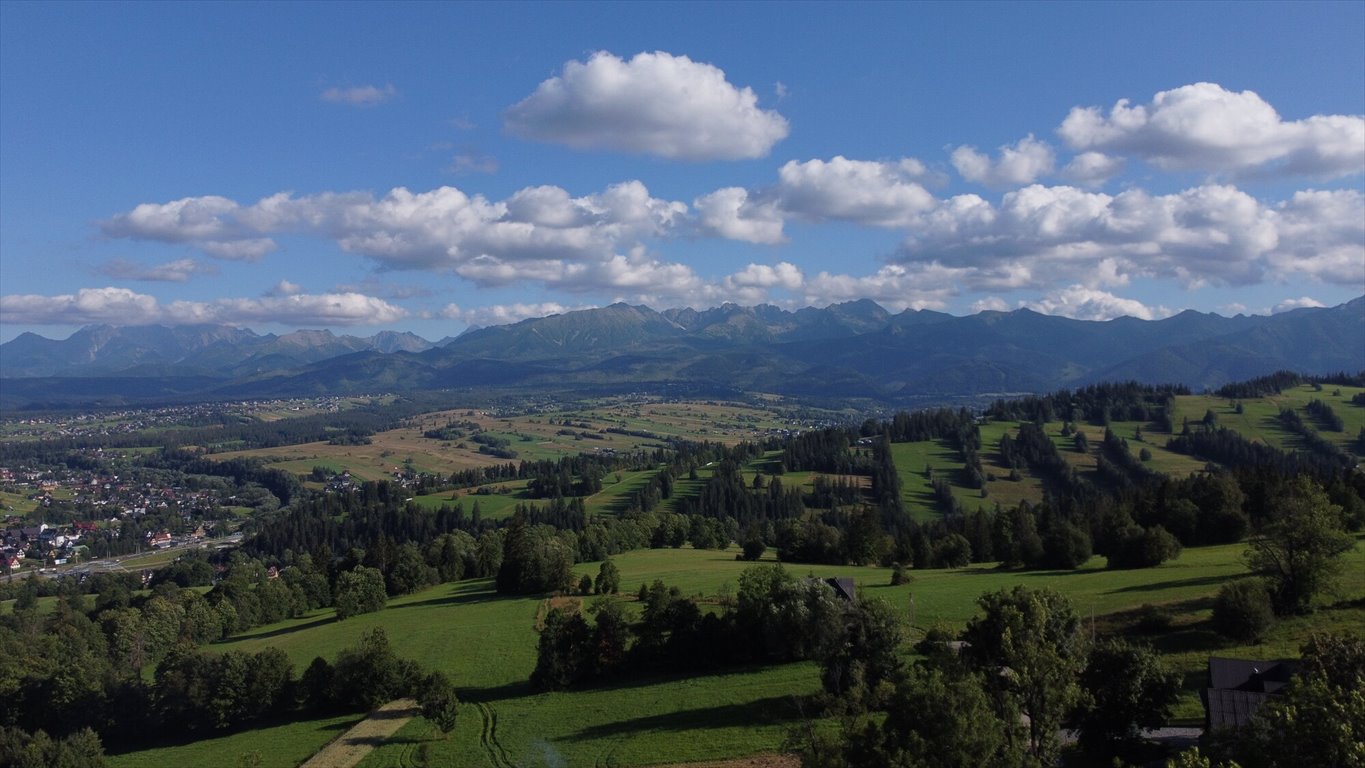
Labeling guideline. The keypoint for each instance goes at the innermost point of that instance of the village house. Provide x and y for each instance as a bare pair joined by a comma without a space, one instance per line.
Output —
1238,687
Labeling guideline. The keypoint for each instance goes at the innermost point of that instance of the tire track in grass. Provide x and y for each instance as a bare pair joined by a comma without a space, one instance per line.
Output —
488,738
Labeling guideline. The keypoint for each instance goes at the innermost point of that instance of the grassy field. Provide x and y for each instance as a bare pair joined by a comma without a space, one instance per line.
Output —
1258,418
538,436
16,504
532,436
487,644
917,493
280,746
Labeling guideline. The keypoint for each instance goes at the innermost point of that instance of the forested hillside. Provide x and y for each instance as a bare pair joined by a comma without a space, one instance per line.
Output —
1104,493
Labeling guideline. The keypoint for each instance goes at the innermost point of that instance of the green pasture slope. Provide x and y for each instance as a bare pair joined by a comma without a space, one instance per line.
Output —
917,493
16,504
613,499
1258,420
492,506
278,746
486,642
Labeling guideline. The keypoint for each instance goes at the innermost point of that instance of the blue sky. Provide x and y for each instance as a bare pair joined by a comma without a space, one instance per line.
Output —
430,166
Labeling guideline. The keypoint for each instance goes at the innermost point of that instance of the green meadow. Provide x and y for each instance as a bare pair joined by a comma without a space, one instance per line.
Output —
918,464
277,746
1258,420
486,642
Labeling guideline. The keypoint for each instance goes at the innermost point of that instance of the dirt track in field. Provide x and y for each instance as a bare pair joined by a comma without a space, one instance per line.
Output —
351,747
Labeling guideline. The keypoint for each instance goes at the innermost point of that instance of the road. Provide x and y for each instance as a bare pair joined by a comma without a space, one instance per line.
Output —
116,564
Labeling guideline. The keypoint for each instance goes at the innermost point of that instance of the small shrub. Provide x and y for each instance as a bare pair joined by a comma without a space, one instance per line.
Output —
753,548
1242,611
899,575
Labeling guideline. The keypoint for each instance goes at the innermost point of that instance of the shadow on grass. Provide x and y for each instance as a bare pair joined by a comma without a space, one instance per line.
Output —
319,621
522,688
461,597
1060,572
167,738
495,693
419,740
1157,586
775,710
394,714
976,569
1193,638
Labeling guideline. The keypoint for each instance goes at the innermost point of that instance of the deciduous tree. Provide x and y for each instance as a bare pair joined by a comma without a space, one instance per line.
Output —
1299,549
1029,647
359,590
1126,688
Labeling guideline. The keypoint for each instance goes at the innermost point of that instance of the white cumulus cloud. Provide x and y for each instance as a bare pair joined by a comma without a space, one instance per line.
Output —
731,213
125,307
539,233
1213,234
503,314
654,103
1299,303
894,286
285,288
1206,127
1092,169
1020,163
209,223
1082,303
989,304
876,193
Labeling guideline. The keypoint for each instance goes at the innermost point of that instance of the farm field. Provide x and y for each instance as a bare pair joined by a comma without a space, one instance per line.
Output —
613,499
554,434
533,436
487,644
16,504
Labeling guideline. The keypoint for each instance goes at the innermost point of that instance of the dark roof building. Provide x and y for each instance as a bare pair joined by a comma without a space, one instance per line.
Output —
844,588
1238,687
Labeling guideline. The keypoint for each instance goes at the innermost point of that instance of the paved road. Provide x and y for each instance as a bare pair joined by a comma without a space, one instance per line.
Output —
117,563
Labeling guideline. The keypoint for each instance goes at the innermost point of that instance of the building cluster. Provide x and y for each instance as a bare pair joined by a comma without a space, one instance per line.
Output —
136,420
79,505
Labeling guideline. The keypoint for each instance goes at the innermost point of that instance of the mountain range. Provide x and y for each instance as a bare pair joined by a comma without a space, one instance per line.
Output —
851,350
